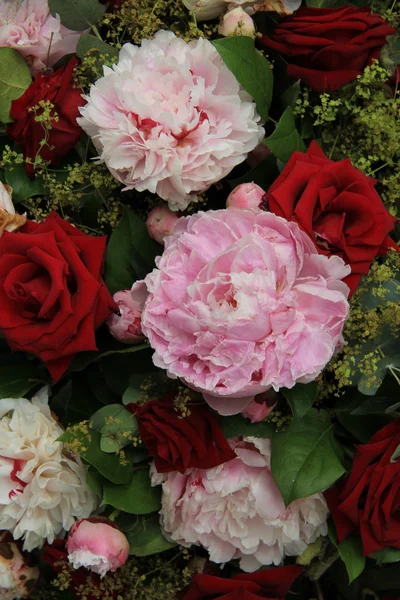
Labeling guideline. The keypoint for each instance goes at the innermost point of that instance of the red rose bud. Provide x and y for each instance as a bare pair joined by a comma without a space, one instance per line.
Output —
161,222
329,47
125,326
367,502
273,584
57,89
98,545
245,195
176,443
51,291
337,206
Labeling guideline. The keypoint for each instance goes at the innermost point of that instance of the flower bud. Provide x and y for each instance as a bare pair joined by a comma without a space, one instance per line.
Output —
245,195
236,22
204,10
161,222
260,407
17,577
97,544
126,327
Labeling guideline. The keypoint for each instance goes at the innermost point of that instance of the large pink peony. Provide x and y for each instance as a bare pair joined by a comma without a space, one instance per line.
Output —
241,301
236,510
170,118
29,27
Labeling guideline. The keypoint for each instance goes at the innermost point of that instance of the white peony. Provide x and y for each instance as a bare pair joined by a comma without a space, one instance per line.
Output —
170,118
205,10
42,487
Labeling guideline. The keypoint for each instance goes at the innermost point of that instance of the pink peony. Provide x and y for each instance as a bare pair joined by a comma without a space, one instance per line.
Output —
260,407
161,222
236,510
98,545
245,195
170,118
241,301
29,27
126,326
236,22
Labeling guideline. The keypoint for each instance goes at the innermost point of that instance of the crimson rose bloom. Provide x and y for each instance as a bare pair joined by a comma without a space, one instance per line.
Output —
177,443
367,502
269,584
337,205
65,132
329,47
52,295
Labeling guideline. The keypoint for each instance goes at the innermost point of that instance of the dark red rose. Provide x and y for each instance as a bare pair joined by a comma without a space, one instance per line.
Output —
329,47
52,295
178,443
367,502
337,205
65,132
269,584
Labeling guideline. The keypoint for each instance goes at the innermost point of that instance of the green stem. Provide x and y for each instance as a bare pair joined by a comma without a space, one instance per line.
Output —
114,514
96,32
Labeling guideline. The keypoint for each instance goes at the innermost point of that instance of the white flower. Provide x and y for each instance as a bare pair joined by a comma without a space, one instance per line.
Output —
42,488
170,118
17,578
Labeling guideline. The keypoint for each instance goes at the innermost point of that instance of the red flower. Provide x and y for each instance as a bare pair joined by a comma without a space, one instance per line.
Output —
52,295
178,443
367,502
65,132
269,584
337,205
329,47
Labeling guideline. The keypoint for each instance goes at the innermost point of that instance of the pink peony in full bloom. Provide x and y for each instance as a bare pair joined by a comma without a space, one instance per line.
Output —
236,510
170,118
29,27
241,302
98,545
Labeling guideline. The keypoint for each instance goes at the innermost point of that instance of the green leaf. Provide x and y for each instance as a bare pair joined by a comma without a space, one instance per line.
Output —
15,78
24,187
250,67
304,457
145,537
95,481
301,398
236,425
387,555
285,139
263,175
84,359
130,253
17,380
291,94
88,42
350,551
137,497
77,14
370,385
117,426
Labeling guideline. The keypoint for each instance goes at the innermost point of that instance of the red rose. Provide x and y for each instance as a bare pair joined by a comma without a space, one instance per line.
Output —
329,47
268,584
367,502
178,443
65,132
52,295
337,206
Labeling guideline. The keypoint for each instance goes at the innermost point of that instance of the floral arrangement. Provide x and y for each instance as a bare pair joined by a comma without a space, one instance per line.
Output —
199,300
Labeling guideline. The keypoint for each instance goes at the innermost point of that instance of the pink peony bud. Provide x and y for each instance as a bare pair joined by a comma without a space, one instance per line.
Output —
236,22
126,327
17,576
245,195
98,545
261,406
161,222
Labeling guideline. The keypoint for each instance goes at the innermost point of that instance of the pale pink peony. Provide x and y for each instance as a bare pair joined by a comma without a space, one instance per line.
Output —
241,302
29,27
161,222
98,545
170,118
245,195
126,326
236,22
236,510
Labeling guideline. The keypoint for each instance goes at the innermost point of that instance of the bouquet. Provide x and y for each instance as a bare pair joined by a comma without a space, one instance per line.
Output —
199,300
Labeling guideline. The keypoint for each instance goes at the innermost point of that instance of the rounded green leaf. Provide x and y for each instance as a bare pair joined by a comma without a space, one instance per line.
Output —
15,78
137,497
77,14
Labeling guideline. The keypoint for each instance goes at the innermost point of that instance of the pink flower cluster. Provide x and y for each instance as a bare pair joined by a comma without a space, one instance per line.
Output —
240,302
